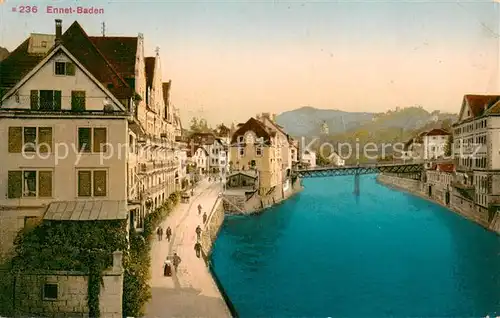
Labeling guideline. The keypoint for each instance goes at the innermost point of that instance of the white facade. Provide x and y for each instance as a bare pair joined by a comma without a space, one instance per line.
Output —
434,146
201,159
309,157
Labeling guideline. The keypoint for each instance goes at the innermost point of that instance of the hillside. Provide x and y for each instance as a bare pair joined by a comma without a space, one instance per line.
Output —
306,121
3,53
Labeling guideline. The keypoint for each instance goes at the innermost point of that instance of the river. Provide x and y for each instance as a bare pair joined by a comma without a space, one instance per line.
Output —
327,253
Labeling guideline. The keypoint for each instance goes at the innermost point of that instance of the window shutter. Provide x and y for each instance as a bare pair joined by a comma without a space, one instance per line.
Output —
100,183
45,184
70,68
84,142
84,183
15,139
45,139
57,100
15,185
99,143
34,99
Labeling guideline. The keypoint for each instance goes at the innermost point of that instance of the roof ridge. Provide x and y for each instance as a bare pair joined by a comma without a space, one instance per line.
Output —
100,53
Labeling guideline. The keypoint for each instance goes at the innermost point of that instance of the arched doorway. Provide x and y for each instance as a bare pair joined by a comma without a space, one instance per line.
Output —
430,191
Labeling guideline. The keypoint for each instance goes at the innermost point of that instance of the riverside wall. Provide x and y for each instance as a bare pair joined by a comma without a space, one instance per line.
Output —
416,187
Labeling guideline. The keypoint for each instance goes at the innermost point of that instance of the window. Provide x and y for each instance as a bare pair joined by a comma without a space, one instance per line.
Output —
50,291
78,101
45,100
27,138
92,139
258,151
92,183
242,151
29,184
64,68
240,139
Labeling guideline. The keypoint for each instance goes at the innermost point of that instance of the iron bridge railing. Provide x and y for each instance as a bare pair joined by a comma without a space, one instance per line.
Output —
358,170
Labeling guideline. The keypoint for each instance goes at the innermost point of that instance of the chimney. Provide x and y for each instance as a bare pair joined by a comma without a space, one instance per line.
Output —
58,31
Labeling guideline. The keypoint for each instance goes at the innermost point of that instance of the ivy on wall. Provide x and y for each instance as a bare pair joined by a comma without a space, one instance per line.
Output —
85,246
136,289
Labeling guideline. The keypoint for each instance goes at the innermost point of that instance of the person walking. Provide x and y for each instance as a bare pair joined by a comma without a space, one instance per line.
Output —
199,209
204,217
168,233
176,260
197,248
198,232
161,233
158,232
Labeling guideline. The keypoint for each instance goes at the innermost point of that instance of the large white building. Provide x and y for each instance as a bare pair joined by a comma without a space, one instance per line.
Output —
309,158
476,139
87,123
434,143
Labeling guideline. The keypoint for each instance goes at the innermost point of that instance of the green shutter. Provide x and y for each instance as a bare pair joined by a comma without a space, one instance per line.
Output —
70,68
15,139
57,100
15,184
34,99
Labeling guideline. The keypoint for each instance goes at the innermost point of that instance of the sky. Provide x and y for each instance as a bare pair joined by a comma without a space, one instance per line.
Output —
229,60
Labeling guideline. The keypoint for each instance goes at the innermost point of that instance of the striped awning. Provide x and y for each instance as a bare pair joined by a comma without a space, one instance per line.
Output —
86,210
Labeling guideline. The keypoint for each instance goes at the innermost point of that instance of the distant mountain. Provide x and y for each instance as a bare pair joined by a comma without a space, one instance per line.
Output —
3,53
307,121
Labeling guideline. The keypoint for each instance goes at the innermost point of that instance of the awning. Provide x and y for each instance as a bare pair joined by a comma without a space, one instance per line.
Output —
86,210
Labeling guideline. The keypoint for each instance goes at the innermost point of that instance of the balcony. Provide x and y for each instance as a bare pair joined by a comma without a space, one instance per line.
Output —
460,185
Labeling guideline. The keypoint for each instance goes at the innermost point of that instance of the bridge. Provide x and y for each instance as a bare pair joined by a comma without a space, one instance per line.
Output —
357,170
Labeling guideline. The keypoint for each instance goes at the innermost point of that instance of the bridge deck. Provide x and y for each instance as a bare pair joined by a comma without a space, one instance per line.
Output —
359,169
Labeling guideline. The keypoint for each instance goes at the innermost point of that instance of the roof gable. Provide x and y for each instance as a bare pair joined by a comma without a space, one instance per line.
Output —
83,49
437,132
53,53
476,105
251,125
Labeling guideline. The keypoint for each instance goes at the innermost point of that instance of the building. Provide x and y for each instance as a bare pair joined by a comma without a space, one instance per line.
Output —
255,147
476,190
309,158
434,143
439,182
336,159
216,149
200,157
88,124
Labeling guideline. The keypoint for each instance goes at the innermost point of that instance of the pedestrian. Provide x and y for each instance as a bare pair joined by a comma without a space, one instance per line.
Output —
204,217
161,233
176,260
198,232
168,233
197,248
158,232
199,209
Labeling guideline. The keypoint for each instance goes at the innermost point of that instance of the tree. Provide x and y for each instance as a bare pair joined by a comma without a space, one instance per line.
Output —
448,146
199,125
322,161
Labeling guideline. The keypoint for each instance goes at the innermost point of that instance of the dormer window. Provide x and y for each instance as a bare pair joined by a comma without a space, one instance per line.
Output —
240,139
64,68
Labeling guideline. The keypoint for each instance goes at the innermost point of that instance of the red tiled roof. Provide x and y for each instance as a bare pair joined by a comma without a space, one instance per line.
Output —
446,167
437,132
121,51
17,65
251,125
150,70
479,103
76,41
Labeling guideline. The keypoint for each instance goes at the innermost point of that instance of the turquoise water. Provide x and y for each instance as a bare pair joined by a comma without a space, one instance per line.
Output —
326,253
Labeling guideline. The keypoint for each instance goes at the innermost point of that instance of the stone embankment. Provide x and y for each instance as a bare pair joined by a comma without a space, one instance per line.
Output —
416,187
241,204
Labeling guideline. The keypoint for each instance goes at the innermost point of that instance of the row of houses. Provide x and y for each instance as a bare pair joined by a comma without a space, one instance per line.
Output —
469,182
88,128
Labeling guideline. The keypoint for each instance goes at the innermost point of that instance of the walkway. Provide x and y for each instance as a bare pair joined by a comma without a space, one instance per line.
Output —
192,292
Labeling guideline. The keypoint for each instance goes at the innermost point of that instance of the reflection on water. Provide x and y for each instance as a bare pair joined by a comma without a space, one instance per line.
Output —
385,253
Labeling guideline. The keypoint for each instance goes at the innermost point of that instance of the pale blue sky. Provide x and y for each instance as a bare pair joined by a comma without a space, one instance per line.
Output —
229,60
